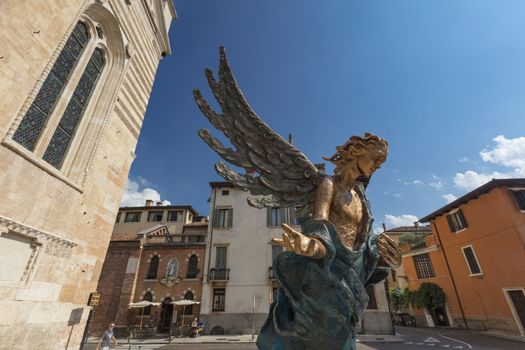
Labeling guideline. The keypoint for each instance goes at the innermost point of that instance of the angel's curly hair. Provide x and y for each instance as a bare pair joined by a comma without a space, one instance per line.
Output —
355,146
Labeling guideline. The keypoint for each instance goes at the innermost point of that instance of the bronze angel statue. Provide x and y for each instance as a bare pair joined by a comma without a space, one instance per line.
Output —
324,272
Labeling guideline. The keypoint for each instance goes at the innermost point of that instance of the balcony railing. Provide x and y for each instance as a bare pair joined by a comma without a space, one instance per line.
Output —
219,274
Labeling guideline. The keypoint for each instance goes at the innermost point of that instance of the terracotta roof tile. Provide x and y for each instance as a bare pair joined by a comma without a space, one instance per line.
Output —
410,229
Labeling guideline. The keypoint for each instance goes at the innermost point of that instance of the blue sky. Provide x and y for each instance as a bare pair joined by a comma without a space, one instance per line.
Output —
443,81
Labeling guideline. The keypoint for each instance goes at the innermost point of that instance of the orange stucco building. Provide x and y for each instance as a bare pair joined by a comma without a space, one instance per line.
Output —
397,277
477,255
427,264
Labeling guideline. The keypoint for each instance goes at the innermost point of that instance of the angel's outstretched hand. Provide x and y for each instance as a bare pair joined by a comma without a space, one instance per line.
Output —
300,244
389,250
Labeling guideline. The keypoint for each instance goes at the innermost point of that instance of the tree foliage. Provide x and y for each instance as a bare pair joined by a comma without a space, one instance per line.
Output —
414,239
398,298
428,295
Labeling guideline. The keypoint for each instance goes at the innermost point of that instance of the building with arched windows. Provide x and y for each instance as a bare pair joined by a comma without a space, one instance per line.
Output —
75,80
156,253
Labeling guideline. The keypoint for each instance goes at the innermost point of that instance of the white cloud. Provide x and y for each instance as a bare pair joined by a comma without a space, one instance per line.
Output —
400,220
470,179
508,153
143,181
449,197
415,182
438,185
463,160
134,197
397,195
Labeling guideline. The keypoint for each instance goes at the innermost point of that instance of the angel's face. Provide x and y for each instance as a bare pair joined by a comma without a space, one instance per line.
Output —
370,160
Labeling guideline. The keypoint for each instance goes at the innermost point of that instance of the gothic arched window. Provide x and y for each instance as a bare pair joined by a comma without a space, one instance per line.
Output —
60,125
188,310
153,267
148,297
56,150
172,268
192,267
37,115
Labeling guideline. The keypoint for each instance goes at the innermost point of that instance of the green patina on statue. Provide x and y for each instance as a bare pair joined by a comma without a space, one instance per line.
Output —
324,272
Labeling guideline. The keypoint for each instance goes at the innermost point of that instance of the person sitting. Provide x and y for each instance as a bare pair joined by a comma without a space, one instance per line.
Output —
200,328
194,326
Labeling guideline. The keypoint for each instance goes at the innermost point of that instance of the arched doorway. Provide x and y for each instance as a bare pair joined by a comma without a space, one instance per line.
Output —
166,315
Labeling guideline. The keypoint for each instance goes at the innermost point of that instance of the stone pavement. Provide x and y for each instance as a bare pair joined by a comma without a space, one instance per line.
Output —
408,338
218,339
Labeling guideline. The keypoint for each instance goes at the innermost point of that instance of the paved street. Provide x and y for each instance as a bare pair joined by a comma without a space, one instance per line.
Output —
441,338
413,339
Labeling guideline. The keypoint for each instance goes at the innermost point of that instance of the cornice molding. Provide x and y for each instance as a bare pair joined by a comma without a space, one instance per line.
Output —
53,244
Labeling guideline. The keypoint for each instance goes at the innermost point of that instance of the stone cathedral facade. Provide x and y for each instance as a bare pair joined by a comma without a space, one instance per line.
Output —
75,80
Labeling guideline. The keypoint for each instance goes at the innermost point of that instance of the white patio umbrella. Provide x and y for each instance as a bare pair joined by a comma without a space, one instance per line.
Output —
142,304
184,303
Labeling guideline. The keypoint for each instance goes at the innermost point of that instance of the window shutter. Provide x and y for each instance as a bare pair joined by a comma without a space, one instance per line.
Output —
460,213
230,217
519,198
220,257
268,216
450,223
471,260
215,217
284,219
291,212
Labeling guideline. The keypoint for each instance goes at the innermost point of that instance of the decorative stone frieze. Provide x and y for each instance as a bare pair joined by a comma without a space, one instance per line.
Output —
53,245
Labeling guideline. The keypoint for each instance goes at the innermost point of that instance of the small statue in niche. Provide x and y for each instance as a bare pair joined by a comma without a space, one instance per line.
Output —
324,272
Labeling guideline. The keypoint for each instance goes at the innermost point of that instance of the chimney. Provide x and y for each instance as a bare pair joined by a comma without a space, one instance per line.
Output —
149,202
416,225
384,227
159,204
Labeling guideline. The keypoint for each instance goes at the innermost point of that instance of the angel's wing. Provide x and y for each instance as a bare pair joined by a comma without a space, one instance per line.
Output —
274,167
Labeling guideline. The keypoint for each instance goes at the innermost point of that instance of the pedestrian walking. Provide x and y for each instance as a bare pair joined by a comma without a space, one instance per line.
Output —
107,338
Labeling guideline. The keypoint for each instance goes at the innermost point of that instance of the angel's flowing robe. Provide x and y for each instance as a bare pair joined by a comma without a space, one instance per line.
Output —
320,301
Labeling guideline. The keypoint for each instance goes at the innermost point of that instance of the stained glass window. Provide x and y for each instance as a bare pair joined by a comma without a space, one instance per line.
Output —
37,115
63,135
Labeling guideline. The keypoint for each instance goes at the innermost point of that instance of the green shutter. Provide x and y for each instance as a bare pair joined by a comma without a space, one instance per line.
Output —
519,197
220,257
284,219
291,212
215,218
230,218
268,216
450,223
460,213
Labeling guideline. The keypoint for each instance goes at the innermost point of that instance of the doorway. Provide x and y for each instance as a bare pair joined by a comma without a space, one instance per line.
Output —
166,315
516,299
439,316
